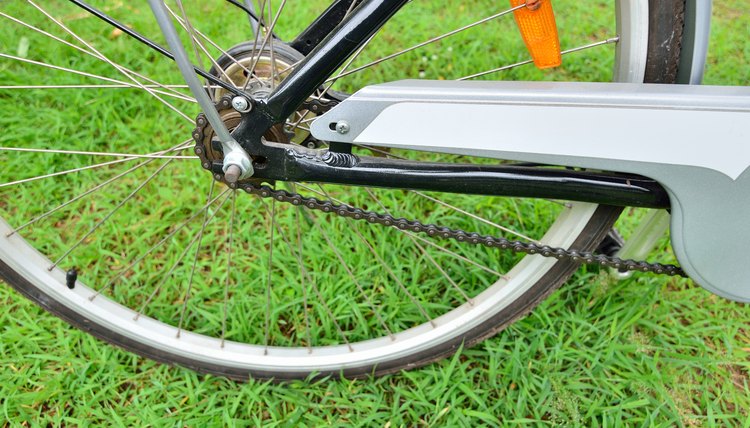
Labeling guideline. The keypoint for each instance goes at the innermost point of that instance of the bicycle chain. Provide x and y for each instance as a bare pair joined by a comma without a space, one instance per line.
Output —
415,226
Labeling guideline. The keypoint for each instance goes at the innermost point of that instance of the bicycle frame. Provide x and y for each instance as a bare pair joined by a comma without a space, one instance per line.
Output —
647,129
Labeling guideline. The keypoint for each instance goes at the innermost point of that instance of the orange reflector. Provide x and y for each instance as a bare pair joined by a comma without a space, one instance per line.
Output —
539,31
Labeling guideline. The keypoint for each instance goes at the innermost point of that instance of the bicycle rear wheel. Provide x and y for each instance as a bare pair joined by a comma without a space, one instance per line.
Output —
173,267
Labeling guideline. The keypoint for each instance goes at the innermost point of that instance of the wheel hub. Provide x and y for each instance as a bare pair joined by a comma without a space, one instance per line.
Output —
269,68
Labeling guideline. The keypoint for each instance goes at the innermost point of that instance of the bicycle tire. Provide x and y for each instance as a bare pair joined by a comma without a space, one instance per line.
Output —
664,40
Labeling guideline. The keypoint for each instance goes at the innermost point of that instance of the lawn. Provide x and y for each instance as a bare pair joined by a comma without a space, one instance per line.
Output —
643,351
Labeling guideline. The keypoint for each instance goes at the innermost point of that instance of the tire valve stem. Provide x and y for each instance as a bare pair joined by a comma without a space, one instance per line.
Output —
71,276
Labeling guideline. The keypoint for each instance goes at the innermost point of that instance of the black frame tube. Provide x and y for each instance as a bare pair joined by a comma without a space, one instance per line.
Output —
490,180
323,25
328,56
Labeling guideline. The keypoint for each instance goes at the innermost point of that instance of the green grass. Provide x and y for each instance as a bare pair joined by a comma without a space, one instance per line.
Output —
645,351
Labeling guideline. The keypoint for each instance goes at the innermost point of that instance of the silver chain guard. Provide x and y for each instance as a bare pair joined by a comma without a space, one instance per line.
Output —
694,140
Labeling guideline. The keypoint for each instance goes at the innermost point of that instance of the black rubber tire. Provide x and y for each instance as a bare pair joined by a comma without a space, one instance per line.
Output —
666,25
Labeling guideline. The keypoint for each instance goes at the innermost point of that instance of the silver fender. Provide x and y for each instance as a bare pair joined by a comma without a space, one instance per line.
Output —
694,140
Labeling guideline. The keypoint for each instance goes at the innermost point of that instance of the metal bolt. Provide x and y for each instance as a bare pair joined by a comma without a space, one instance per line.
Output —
343,127
241,104
233,174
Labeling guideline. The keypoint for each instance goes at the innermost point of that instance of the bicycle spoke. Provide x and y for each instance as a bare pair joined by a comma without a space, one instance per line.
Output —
192,32
355,228
88,192
230,236
217,47
529,61
271,229
345,265
269,34
70,171
82,195
169,236
188,28
166,276
206,219
105,154
85,74
254,23
169,88
424,240
304,278
113,64
430,41
314,285
453,254
273,59
424,252
474,216
124,85
291,67
110,214
251,73
390,272
307,279
120,86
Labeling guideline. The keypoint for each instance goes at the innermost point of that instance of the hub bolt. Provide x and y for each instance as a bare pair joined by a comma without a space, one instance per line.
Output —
241,104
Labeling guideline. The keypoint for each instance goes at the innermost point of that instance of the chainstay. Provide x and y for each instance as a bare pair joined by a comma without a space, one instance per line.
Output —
432,230
458,235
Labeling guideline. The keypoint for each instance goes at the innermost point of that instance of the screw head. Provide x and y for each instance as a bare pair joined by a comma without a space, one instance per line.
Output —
241,104
343,127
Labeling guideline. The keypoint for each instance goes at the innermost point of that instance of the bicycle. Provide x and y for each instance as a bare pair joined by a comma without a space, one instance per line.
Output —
313,157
